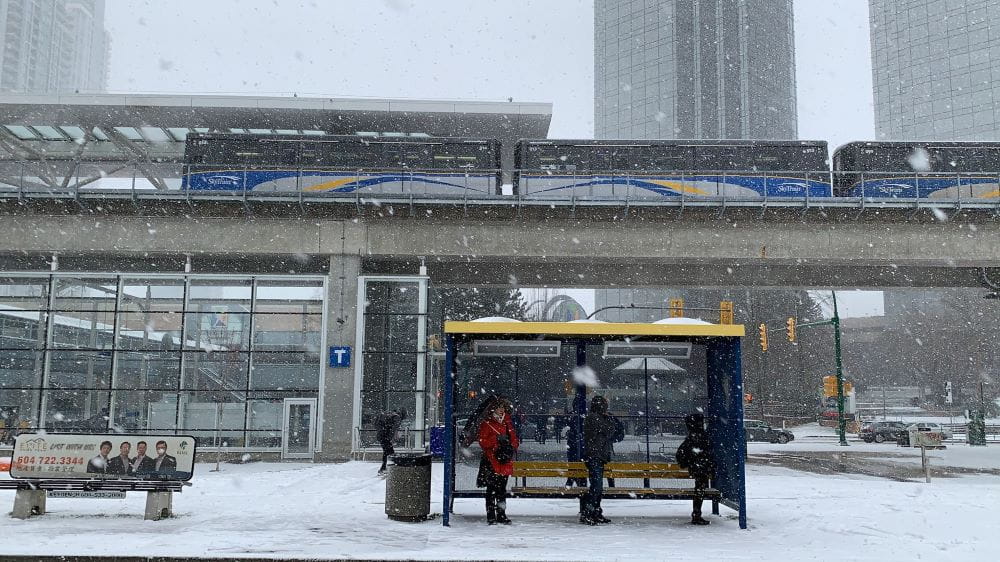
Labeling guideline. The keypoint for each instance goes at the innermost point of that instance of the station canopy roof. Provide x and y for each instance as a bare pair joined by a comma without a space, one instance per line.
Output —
152,128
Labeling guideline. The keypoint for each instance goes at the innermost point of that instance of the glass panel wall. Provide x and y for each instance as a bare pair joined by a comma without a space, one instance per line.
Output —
393,354
210,356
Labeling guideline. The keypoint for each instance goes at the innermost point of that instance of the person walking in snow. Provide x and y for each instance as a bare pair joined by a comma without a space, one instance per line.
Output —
499,442
599,432
695,454
387,426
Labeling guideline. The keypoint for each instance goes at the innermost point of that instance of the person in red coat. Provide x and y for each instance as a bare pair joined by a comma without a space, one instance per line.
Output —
499,442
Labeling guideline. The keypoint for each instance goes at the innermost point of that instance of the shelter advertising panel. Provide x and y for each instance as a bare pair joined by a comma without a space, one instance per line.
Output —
111,456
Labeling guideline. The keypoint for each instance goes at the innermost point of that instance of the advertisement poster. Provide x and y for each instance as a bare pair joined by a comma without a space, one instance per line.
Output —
112,456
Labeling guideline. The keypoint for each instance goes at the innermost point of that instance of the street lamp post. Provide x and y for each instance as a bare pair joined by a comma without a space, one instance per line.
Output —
841,421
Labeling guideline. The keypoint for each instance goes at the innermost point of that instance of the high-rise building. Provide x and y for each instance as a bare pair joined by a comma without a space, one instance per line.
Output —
53,46
694,69
933,63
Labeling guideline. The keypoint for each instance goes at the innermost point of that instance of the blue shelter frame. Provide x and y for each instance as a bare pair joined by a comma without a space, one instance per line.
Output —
724,383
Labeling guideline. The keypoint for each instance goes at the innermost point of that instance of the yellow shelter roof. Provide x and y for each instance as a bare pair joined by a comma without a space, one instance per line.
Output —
593,329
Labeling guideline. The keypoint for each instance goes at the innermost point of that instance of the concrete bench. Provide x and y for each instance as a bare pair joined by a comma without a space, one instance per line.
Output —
31,493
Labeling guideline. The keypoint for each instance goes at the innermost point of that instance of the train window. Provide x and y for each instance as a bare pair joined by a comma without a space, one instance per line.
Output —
558,157
662,158
454,155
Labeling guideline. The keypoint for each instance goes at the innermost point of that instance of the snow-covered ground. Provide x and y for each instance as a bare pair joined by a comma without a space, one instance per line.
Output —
337,511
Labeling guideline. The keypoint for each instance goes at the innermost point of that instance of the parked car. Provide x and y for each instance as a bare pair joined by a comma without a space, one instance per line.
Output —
932,427
882,431
757,430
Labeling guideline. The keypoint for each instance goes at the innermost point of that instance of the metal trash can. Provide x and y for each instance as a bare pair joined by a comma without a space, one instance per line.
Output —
408,487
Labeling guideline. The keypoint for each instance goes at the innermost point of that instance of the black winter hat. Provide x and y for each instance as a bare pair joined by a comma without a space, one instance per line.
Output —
695,422
599,405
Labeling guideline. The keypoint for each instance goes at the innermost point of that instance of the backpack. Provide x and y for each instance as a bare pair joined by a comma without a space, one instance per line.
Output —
505,450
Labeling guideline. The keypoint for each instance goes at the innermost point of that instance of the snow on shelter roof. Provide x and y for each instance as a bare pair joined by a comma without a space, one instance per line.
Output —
156,125
611,329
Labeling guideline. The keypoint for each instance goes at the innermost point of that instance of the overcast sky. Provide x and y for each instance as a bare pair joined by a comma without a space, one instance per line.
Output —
531,50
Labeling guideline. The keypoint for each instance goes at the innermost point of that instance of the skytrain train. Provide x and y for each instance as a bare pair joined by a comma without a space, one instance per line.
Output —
600,169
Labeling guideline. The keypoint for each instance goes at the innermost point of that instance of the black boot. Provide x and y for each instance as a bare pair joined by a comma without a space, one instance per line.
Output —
697,519
600,518
491,516
502,511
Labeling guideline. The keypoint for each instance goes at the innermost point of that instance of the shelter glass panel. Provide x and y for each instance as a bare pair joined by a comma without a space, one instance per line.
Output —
650,396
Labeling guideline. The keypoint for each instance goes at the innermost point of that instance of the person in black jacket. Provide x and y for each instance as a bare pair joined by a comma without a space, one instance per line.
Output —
695,454
599,433
388,425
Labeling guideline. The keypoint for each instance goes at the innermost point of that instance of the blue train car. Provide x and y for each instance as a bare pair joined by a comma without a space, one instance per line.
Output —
926,170
341,164
730,169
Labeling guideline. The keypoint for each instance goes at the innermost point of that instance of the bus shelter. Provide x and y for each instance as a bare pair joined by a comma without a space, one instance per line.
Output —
652,374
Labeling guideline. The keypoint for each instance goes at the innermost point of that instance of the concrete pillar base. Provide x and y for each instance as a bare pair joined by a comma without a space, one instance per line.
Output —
159,505
28,503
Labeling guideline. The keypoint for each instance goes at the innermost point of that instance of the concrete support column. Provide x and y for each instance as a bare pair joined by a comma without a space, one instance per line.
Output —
159,505
338,389
28,503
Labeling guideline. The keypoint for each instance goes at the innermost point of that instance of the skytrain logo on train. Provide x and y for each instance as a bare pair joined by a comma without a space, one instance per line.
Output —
222,181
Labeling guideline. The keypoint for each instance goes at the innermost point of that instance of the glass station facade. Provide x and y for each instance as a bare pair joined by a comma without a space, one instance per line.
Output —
217,357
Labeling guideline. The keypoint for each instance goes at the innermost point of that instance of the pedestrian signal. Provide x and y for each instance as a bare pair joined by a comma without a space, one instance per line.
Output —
726,312
763,337
790,326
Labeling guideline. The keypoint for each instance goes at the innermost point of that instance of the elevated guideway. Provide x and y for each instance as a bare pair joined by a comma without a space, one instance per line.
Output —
554,245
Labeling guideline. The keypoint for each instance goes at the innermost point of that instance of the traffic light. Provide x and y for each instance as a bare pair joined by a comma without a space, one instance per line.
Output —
790,325
763,337
726,312
676,308
829,386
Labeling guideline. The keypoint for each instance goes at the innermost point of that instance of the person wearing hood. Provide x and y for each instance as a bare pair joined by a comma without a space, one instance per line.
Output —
388,426
695,454
599,432
499,442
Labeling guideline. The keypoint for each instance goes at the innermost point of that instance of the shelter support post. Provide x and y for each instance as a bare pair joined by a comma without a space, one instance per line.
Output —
449,428
725,414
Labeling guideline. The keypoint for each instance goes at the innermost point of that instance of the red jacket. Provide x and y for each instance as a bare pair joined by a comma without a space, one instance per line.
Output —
489,431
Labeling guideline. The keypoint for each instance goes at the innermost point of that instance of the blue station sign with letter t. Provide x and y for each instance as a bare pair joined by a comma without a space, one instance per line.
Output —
340,356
